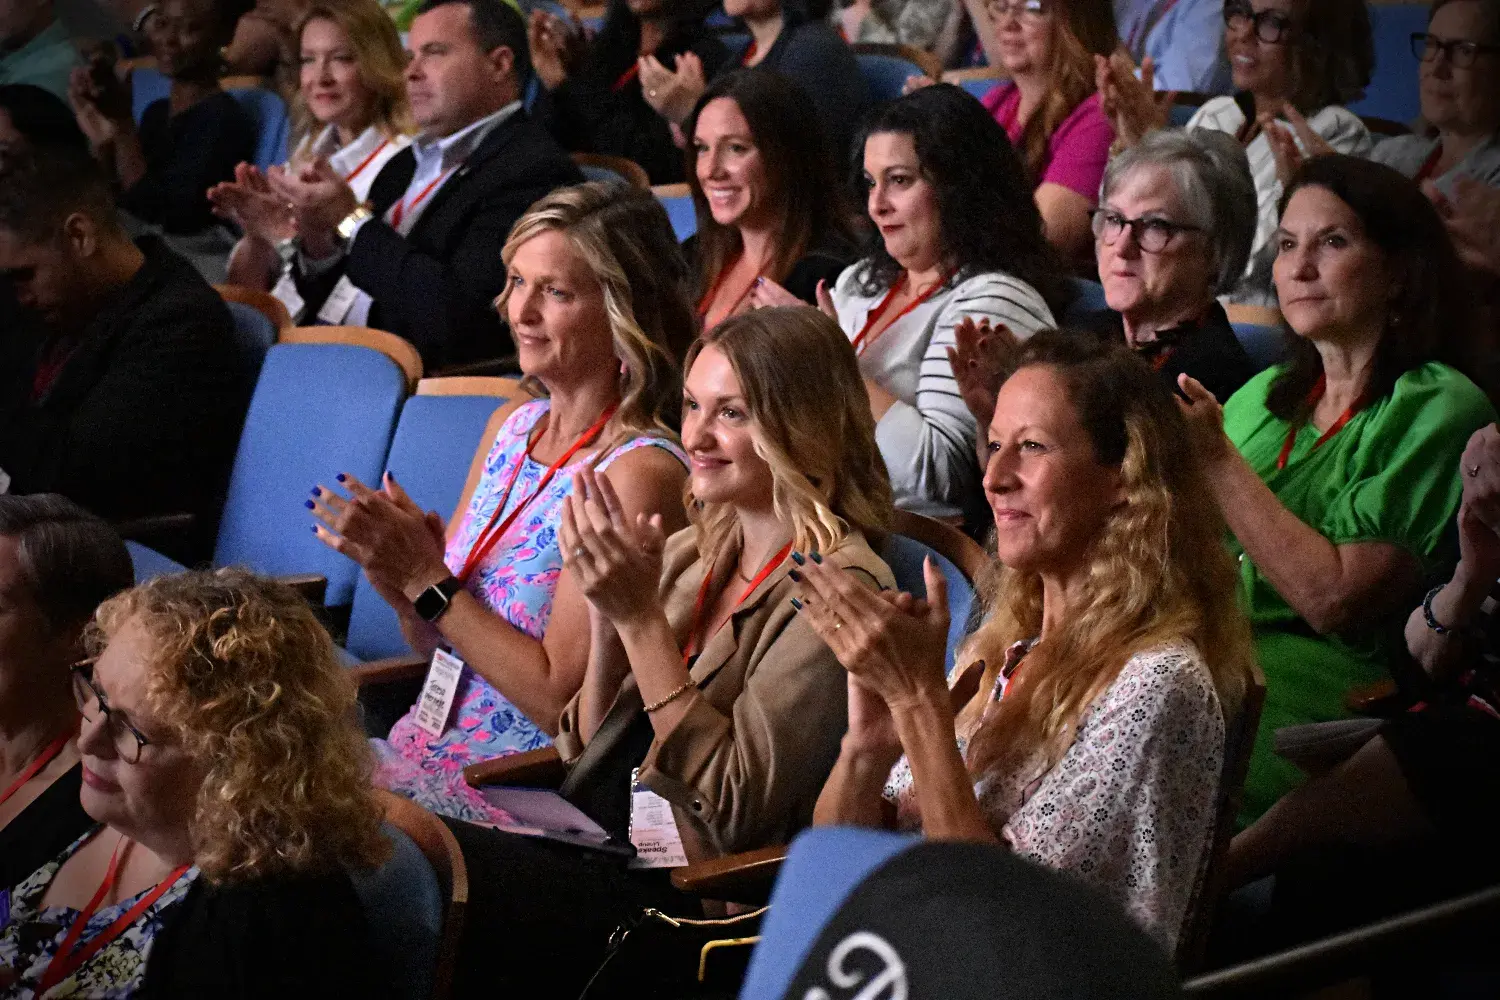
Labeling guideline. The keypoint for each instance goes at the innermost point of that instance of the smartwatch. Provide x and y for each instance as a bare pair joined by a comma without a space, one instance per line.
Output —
350,222
433,602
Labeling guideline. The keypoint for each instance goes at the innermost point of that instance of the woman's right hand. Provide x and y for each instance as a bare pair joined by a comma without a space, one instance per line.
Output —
249,203
1479,514
981,357
1133,105
616,565
99,128
554,45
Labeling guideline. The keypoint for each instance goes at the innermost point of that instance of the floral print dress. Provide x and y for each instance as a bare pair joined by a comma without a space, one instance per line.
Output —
31,934
517,581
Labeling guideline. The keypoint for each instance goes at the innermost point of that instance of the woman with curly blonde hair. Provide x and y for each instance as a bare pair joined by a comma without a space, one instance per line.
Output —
1111,655
232,790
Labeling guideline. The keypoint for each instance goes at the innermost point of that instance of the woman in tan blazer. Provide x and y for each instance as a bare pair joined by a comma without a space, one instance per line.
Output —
702,680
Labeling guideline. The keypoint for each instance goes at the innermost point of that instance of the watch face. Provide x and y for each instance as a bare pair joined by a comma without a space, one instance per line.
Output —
430,604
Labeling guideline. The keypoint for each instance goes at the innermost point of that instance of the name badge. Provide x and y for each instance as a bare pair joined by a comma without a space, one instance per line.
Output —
286,291
4,481
653,829
336,307
438,692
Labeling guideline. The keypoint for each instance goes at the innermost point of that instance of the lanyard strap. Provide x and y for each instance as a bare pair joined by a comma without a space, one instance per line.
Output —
492,533
48,754
690,646
1334,428
708,297
625,78
367,161
1429,166
70,956
860,342
403,206
750,51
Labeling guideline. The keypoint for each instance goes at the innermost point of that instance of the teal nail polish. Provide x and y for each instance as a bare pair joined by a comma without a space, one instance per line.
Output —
797,558
816,558
796,577
796,604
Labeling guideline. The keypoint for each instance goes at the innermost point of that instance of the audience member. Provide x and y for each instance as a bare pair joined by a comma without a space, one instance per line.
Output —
30,114
187,142
702,686
809,53
1183,39
122,390
230,785
350,109
595,94
265,41
937,174
597,302
1111,656
1472,218
418,259
1335,469
57,565
1311,57
922,24
771,223
1426,777
35,47
1173,230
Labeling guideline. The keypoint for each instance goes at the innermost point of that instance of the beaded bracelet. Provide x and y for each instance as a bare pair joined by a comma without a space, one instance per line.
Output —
1432,621
676,693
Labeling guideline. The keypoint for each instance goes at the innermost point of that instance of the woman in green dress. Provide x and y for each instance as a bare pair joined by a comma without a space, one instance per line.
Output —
1335,469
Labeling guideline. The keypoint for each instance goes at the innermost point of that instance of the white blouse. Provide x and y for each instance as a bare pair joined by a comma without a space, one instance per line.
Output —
1130,807
927,437
358,163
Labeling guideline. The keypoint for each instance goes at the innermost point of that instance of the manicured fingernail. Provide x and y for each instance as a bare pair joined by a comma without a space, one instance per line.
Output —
759,282
316,490
796,604
315,529
815,558
309,505
341,477
797,558
796,577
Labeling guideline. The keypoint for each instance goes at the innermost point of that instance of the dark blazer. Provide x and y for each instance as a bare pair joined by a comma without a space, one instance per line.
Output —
145,415
1209,352
186,154
436,286
824,262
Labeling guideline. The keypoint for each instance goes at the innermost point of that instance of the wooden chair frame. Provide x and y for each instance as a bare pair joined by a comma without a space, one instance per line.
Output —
1257,315
398,350
441,849
635,174
682,190
265,303
929,64
958,77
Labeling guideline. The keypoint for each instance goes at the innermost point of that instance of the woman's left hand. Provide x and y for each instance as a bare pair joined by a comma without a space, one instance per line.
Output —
765,294
672,93
616,565
893,643
399,546
1205,420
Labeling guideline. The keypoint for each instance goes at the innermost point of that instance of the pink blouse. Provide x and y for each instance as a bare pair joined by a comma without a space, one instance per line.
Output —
1078,150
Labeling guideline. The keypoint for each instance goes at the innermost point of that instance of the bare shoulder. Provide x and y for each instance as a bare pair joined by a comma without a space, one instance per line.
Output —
647,478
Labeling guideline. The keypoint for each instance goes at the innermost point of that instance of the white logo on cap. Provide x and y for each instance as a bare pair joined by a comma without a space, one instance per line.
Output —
893,976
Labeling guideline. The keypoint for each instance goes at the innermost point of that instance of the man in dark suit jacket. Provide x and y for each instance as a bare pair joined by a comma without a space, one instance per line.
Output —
120,386
422,258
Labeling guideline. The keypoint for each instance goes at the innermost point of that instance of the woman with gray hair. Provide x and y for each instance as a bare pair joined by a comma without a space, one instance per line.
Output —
58,563
1176,217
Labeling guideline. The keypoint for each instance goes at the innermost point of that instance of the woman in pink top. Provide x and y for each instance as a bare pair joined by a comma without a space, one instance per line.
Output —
1050,107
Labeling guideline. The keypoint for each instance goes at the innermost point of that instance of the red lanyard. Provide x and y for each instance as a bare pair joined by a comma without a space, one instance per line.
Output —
491,535
43,759
1162,357
690,646
1338,425
1429,167
625,78
885,303
70,956
403,206
708,298
368,160
749,53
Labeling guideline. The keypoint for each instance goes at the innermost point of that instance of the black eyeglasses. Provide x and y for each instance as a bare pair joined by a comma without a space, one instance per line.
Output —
127,739
1461,55
1152,235
1270,26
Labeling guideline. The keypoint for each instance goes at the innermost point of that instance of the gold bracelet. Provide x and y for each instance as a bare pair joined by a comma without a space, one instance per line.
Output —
676,693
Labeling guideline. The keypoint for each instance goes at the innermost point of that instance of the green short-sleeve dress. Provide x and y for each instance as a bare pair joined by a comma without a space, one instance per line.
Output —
1390,475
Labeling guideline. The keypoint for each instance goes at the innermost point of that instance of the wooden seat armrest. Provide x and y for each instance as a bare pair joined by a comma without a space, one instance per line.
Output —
388,670
742,878
507,365
533,769
1378,700
312,586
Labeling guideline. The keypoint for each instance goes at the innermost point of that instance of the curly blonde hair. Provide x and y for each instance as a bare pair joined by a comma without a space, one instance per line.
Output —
246,677
1159,572
810,422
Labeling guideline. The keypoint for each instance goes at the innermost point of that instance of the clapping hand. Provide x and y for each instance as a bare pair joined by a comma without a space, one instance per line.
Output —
1472,216
555,46
249,202
672,93
616,564
1292,144
86,98
765,294
981,358
397,544
319,199
1479,512
1205,420
1135,106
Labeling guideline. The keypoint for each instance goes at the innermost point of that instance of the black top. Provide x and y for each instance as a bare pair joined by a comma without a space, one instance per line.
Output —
185,156
144,416
301,936
824,262
436,286
1210,352
44,829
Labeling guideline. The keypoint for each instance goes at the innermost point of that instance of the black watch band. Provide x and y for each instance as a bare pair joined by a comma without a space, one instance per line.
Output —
433,602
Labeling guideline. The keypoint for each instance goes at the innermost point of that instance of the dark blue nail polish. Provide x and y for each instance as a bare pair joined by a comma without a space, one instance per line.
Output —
816,558
797,558
309,505
796,604
317,491
314,529
796,577
341,477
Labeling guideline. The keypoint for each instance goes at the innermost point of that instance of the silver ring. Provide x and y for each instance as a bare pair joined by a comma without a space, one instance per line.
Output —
650,93
1473,471
580,552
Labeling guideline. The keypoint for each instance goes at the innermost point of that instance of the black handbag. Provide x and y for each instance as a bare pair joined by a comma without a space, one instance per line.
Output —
676,958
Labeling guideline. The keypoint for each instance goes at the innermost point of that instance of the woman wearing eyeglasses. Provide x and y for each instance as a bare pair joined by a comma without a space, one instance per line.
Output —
1304,57
57,563
230,789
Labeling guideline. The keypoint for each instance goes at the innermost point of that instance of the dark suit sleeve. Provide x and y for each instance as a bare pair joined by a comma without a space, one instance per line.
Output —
803,279
186,159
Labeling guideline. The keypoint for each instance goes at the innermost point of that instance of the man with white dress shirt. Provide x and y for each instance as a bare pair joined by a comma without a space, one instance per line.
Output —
421,257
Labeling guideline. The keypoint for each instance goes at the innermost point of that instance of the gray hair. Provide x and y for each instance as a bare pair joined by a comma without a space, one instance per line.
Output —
71,560
1213,177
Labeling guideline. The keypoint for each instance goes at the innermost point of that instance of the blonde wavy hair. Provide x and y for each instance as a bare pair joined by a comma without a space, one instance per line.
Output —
810,421
624,236
378,52
246,677
1159,572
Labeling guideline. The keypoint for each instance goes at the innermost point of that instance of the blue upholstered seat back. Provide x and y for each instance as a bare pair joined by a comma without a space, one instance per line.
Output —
904,556
404,906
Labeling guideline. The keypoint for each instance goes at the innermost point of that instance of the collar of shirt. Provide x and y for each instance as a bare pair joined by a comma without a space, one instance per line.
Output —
347,159
451,150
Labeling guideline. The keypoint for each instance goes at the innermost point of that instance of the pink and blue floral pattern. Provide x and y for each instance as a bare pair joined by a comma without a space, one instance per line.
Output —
517,581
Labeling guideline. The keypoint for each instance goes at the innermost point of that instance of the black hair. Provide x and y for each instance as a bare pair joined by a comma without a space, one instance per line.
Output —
616,46
495,23
40,186
41,117
988,219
